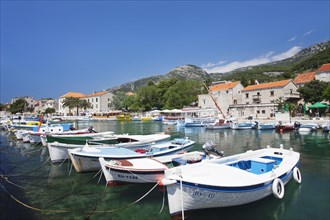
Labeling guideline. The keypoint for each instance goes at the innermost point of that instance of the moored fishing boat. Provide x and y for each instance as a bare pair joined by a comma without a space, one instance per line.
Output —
242,125
221,124
198,122
232,180
123,117
266,126
58,151
86,159
146,170
306,128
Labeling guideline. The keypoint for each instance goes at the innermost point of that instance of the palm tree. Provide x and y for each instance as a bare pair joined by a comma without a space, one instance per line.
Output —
292,108
83,104
71,102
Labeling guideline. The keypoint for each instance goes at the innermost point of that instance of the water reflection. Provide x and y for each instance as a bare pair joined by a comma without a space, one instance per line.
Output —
60,187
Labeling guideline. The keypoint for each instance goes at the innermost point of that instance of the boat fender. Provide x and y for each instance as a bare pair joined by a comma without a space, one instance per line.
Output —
297,175
278,188
166,182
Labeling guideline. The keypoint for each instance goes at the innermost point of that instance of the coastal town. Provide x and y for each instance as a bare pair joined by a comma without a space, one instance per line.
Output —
224,99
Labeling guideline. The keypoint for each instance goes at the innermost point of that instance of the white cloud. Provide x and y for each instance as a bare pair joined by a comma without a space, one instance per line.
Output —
308,32
292,38
213,64
267,58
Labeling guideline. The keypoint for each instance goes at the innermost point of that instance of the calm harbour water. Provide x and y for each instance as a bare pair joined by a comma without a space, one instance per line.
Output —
46,189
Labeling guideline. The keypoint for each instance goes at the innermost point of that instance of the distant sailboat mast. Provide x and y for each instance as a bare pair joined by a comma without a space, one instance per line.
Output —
216,104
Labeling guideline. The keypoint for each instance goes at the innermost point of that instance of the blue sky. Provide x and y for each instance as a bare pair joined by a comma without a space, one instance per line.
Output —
49,48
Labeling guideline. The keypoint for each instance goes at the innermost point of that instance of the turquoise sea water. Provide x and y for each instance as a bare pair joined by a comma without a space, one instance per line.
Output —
33,188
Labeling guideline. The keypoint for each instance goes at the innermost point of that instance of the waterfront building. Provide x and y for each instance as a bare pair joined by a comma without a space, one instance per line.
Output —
41,105
261,100
323,73
30,101
223,94
101,102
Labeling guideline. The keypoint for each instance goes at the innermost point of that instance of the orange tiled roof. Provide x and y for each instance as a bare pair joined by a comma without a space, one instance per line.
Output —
304,77
96,94
223,86
324,67
72,94
269,85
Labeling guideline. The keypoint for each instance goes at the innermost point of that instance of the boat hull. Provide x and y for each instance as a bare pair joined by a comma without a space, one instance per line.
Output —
230,181
90,162
114,175
201,197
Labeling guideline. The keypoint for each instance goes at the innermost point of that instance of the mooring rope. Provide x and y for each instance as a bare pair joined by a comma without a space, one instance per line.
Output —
7,180
28,206
182,210
163,203
21,174
133,203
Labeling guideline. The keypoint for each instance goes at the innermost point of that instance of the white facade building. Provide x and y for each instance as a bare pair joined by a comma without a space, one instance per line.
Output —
261,100
323,73
222,94
101,102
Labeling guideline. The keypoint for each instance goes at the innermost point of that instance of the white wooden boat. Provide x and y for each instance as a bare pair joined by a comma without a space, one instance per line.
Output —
306,128
232,180
198,122
59,151
266,126
34,136
242,125
325,127
221,124
86,158
146,170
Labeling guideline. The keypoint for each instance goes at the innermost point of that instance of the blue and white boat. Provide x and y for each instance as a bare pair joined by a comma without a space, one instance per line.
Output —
242,125
232,180
147,170
87,158
198,122
266,126
306,128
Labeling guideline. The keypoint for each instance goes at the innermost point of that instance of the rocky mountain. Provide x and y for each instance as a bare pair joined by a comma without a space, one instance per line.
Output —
302,55
306,59
187,72
184,72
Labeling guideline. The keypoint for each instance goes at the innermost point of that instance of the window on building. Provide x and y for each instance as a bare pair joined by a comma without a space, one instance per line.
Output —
272,93
246,95
291,91
263,111
258,112
258,93
235,102
96,99
96,106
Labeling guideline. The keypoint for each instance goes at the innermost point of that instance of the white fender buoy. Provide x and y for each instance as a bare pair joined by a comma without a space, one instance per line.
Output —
278,188
297,175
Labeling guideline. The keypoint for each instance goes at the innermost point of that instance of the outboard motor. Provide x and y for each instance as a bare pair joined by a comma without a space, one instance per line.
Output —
91,130
209,147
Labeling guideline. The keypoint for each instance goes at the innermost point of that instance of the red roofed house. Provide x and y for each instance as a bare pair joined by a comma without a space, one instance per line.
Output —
223,93
323,73
303,78
101,102
260,100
